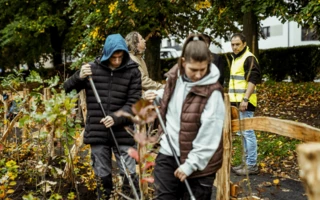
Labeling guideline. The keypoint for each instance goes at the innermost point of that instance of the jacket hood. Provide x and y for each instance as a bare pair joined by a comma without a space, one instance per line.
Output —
113,43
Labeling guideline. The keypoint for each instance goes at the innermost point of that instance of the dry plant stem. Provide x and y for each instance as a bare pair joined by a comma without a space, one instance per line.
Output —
222,181
47,127
43,177
50,138
10,127
5,106
73,176
73,152
124,196
60,164
309,162
142,151
27,108
83,104
79,142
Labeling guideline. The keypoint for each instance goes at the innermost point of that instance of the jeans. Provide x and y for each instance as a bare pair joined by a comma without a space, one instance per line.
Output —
168,187
101,156
249,141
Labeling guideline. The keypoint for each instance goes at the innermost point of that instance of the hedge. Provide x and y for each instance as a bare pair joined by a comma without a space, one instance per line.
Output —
301,63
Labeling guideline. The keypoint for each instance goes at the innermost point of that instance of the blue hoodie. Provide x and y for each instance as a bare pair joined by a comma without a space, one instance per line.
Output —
113,43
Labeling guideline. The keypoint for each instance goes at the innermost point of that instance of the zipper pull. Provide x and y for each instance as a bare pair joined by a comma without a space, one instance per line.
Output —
111,73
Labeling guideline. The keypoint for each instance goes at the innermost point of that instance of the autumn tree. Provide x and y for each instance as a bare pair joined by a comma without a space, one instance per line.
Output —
42,29
227,17
34,30
154,19
309,15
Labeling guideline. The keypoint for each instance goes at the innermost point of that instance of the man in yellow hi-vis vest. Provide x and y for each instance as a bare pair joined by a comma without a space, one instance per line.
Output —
244,76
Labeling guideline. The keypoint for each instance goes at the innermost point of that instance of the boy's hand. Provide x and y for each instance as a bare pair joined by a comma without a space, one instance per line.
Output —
85,71
107,121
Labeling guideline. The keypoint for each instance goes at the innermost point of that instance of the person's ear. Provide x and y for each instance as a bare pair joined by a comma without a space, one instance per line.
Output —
245,43
183,61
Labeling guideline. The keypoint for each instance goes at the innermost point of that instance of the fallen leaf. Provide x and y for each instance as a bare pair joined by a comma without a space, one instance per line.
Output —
276,182
147,179
133,153
148,165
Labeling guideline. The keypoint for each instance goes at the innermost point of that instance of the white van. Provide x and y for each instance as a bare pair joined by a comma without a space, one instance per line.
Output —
169,53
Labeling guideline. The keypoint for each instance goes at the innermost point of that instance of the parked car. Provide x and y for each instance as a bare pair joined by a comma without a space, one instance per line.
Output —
169,53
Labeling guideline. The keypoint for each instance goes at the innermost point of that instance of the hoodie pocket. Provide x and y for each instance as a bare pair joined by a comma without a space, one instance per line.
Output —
207,181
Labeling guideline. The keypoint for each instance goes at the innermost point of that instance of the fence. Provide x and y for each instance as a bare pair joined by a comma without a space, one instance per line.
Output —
306,152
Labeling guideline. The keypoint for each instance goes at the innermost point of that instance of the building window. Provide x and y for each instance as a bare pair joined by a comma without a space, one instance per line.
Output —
265,32
308,34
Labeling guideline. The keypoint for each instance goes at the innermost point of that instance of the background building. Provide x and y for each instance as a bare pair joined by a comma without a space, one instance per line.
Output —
275,34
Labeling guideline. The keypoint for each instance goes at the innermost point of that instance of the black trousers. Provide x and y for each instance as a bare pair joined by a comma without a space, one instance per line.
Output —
167,186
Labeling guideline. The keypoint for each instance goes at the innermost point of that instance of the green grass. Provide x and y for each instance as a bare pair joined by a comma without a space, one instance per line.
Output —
271,147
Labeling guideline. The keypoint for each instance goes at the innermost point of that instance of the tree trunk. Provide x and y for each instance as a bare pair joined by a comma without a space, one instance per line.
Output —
152,57
250,30
56,43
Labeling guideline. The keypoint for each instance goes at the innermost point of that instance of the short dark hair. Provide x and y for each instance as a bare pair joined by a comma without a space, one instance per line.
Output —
241,36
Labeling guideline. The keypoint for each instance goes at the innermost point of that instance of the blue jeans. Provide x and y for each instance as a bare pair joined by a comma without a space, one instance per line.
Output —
249,141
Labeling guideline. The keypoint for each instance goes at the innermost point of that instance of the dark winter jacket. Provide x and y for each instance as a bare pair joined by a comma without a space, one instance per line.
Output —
221,63
118,89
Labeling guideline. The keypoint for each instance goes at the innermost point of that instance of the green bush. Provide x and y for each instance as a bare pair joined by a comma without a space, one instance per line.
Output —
301,63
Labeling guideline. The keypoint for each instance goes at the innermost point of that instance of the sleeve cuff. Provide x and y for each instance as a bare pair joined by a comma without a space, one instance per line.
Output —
77,74
186,168
115,119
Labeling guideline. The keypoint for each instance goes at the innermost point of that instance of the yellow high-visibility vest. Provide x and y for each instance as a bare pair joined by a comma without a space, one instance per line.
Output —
238,84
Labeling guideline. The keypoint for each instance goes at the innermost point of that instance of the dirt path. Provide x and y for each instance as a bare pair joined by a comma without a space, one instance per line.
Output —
262,186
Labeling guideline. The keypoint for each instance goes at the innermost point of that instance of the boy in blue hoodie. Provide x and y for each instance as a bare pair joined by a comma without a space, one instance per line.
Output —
118,83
